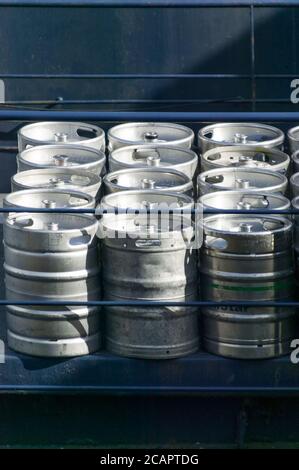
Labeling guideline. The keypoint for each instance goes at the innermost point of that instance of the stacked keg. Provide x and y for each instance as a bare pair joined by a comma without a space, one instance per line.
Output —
150,240
54,256
245,257
293,140
147,256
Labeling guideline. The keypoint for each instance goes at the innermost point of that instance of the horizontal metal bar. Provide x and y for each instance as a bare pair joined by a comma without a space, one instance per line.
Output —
143,101
140,210
149,3
147,116
157,389
151,303
144,76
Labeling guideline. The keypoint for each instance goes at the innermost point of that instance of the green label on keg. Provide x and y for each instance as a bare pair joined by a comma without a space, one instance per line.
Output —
275,286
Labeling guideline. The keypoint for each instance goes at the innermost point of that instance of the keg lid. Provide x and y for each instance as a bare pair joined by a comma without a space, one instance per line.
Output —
295,202
247,156
295,156
245,225
147,178
138,133
293,133
243,201
241,134
175,158
248,234
242,179
56,178
64,132
144,199
57,156
76,223
48,198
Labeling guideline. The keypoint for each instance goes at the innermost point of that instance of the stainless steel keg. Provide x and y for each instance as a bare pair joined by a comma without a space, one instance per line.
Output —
59,156
66,133
58,178
295,160
293,139
146,199
148,178
241,133
52,257
295,205
247,258
247,156
242,179
229,200
175,158
48,198
145,258
140,133
294,184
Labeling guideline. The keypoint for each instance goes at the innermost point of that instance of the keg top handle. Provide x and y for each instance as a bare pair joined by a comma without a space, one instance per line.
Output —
261,198
146,154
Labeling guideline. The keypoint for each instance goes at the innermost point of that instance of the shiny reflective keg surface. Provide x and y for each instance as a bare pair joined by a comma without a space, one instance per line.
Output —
247,156
148,178
242,179
140,133
243,201
149,260
293,139
247,258
58,178
251,134
61,156
145,253
67,133
52,256
48,198
180,159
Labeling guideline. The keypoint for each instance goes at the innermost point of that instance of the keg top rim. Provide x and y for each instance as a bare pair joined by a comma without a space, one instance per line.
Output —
236,196
295,178
42,124
277,139
292,133
113,132
277,179
181,181
52,171
295,202
117,200
14,199
183,155
295,155
87,221
88,155
282,157
283,224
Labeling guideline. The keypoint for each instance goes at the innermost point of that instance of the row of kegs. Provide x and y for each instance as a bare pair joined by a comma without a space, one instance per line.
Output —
139,256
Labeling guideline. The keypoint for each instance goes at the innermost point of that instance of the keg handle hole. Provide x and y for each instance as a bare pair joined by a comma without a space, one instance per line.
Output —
21,223
208,134
81,240
144,154
86,132
216,243
75,201
215,157
214,179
